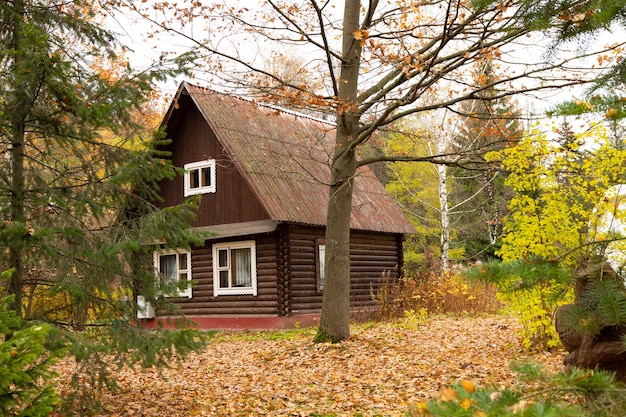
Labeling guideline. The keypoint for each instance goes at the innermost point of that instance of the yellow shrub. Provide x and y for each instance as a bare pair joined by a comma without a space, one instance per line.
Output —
444,292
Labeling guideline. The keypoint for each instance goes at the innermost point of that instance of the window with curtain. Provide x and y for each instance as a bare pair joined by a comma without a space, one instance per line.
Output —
234,268
320,249
174,268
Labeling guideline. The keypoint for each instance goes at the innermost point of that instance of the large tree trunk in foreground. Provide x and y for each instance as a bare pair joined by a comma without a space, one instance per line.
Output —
335,320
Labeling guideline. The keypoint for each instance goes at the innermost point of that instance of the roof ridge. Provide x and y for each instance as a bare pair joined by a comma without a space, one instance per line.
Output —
263,104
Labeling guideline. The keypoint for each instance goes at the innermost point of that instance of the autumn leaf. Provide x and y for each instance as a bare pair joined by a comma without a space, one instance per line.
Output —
519,407
468,386
466,403
584,104
611,113
565,16
361,35
421,408
448,394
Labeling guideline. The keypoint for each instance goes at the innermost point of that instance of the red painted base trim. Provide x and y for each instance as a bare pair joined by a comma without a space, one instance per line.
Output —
238,322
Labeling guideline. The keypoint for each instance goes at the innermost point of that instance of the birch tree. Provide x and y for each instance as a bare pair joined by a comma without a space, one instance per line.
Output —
369,63
450,200
421,189
480,192
444,210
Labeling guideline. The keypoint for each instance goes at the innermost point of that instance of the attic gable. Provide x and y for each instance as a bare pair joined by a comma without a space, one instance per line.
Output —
285,159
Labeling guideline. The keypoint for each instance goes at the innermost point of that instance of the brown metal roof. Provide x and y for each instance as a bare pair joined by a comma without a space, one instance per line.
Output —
285,159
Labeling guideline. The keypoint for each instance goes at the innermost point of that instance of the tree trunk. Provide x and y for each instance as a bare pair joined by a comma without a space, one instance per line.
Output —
18,220
443,209
335,321
17,186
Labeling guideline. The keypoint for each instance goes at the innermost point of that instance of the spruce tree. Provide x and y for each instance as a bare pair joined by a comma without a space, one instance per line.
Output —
78,180
490,123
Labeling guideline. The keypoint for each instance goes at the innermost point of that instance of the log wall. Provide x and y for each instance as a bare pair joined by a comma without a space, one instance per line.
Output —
286,274
204,303
374,256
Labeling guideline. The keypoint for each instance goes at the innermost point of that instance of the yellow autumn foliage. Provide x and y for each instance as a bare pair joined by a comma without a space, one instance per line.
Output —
557,192
555,214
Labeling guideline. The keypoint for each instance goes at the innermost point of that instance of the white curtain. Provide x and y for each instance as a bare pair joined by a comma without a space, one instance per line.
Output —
322,261
241,260
168,268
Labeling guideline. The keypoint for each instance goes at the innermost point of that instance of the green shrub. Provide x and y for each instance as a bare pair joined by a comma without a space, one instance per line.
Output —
25,360
532,290
574,393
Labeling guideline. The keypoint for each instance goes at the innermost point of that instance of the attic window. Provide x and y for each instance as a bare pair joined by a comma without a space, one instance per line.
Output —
200,177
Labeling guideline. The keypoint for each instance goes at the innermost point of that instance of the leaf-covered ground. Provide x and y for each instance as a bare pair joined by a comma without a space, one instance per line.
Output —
380,370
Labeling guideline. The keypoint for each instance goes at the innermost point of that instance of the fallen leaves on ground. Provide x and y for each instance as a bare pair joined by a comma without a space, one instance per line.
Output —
380,370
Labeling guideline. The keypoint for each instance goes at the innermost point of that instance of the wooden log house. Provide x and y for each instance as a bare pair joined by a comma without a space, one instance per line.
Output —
262,174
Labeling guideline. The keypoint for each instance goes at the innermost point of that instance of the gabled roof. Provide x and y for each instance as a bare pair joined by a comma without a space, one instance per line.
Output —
285,159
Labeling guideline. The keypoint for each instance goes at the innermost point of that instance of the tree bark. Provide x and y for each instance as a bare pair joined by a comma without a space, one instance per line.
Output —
18,219
17,214
442,170
335,320
604,349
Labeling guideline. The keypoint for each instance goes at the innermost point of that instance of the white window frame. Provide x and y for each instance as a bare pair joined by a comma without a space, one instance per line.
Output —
187,291
217,290
199,166
320,261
